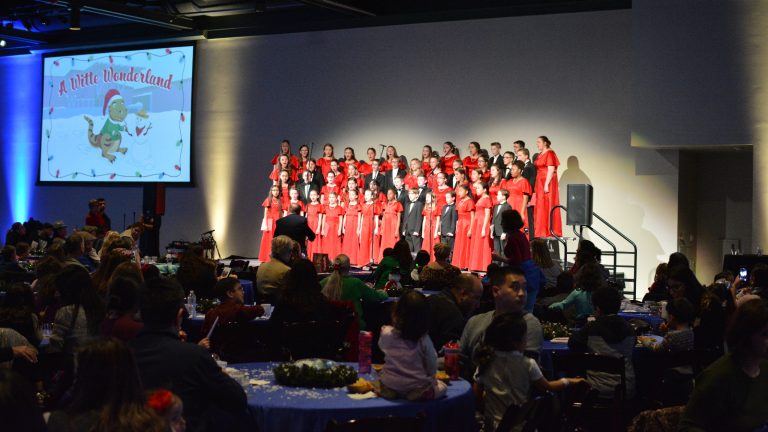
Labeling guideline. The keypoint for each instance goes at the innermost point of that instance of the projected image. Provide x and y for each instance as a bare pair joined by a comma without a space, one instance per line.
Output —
117,116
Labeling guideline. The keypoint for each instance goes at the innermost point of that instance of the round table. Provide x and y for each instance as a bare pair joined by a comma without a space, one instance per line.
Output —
289,409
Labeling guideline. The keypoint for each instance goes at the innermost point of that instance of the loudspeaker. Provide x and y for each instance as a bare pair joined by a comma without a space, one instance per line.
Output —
579,205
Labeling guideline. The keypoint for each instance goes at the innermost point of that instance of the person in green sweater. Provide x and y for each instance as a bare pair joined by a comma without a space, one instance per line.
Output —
579,301
732,393
340,286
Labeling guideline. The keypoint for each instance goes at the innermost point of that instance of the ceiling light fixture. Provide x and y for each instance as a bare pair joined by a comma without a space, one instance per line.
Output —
2,43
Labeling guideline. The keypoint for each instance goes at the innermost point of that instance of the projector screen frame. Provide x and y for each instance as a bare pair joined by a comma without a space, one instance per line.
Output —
191,183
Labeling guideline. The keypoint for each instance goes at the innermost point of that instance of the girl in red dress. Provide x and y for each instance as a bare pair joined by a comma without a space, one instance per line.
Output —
470,162
410,179
450,153
285,150
475,175
304,157
284,183
341,176
390,222
519,191
282,165
332,227
495,183
330,186
293,198
392,160
354,174
365,167
324,162
547,195
272,206
351,187
349,159
426,155
481,245
314,217
440,189
378,197
482,165
430,224
460,178
466,209
433,171
369,230
350,244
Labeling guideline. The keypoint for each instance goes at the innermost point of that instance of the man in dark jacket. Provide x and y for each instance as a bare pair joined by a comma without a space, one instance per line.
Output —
450,308
295,226
186,369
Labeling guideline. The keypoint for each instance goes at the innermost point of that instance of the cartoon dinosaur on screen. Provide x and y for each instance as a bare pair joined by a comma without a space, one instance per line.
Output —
110,137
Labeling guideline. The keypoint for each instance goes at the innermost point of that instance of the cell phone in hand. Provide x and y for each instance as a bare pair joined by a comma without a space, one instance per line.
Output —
743,273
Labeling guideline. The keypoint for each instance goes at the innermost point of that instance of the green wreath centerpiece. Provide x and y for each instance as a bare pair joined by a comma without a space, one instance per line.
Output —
314,373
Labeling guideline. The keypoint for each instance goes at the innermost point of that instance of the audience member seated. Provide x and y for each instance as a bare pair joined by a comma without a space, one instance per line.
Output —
270,276
679,337
17,312
340,286
109,263
504,375
540,255
16,234
122,307
231,309
9,262
757,287
590,253
186,369
107,394
440,274
578,305
732,393
81,311
23,250
421,260
410,358
509,295
197,273
19,410
682,283
450,308
302,298
609,334
46,301
74,248
90,259
386,265
658,291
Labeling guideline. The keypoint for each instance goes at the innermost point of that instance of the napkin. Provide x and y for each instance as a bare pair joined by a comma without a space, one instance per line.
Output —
258,382
357,396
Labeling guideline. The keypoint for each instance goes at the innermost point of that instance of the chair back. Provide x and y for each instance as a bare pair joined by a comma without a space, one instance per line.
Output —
244,342
309,339
379,424
528,417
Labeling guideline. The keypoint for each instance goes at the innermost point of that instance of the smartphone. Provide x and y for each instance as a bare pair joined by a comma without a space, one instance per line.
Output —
743,274
225,272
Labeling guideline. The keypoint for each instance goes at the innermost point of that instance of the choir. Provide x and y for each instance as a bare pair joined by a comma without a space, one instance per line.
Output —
360,208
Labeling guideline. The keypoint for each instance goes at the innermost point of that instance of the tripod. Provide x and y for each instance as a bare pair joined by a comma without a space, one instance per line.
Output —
209,244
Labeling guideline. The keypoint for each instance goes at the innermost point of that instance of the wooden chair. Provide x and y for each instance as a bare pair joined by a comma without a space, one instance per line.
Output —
531,416
379,424
586,409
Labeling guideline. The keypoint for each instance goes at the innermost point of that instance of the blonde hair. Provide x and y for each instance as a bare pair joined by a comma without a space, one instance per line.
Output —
109,238
333,287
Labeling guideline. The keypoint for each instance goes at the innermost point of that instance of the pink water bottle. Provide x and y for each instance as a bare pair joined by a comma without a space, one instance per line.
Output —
451,351
364,352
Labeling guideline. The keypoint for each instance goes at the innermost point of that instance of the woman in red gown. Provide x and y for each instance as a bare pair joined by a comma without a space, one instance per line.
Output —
495,183
470,162
314,217
332,227
304,157
324,162
341,176
285,150
466,209
369,230
330,186
481,245
519,191
547,195
426,155
349,159
450,153
272,206
390,222
430,224
284,183
482,165
365,167
392,160
350,244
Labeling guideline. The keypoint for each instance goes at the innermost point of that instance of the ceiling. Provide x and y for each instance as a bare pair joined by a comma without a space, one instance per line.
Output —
43,25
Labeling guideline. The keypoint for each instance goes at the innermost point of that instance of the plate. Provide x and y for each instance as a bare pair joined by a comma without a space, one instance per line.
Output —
559,340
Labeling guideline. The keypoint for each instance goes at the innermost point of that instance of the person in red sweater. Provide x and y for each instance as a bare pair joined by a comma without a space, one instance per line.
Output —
231,309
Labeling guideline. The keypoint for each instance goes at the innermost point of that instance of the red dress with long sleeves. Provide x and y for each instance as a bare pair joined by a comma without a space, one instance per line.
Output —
481,246
313,217
274,207
518,188
390,225
464,207
366,252
546,201
351,241
331,243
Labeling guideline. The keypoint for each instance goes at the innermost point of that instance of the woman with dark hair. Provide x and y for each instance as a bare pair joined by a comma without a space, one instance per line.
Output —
481,243
517,252
465,207
678,259
682,283
450,153
440,274
303,158
197,273
324,161
108,265
17,312
107,394
81,312
122,306
658,291
470,162
546,191
402,253
580,299
732,393
46,302
302,299
542,258
349,159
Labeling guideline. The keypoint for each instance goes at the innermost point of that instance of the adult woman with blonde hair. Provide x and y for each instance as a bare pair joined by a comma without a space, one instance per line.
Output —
340,286
551,269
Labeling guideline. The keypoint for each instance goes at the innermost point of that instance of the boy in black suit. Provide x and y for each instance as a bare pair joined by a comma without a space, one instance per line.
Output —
448,217
306,186
412,221
375,175
497,232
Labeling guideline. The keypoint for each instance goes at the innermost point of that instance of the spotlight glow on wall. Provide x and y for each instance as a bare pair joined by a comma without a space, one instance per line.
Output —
20,133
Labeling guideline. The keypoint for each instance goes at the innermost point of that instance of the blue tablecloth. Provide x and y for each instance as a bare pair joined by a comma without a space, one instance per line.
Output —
652,319
549,347
288,409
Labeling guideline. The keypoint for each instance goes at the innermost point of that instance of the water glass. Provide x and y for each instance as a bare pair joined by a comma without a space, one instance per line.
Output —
47,330
267,309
